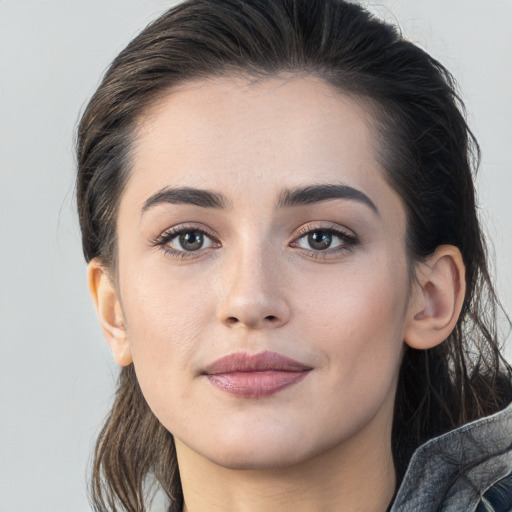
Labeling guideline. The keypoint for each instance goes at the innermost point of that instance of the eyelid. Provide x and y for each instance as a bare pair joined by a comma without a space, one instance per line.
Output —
348,237
180,228
319,226
173,232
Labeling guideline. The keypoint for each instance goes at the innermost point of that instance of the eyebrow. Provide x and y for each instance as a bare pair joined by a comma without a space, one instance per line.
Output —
317,193
187,195
299,196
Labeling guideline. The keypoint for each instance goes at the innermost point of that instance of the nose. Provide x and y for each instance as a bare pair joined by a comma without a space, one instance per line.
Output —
253,292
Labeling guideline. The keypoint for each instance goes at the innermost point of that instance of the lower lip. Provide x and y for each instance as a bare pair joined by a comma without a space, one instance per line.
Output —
255,384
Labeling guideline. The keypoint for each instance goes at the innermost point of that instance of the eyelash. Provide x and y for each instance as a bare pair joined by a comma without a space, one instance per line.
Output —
168,236
348,239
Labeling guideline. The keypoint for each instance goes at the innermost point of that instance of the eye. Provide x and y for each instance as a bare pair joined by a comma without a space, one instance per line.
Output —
327,239
317,240
183,241
190,241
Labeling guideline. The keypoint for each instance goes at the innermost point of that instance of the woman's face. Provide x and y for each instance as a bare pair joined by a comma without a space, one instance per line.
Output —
257,222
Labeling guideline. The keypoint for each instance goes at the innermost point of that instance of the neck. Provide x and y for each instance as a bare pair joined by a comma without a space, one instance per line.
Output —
356,476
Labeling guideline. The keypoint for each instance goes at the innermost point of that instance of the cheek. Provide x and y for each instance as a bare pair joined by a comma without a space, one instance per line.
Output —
357,320
166,318
357,328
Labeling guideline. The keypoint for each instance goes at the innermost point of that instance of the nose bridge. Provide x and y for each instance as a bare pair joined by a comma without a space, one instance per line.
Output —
252,287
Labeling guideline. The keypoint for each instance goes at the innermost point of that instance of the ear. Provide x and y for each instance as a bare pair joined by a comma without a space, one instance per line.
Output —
436,299
110,314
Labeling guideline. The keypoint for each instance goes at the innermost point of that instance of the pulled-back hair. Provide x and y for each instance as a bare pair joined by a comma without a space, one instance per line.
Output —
424,144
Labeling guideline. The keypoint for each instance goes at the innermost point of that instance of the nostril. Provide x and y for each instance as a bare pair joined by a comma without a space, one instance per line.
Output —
253,322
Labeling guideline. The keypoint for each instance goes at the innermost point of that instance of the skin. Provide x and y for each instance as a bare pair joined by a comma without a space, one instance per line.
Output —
257,284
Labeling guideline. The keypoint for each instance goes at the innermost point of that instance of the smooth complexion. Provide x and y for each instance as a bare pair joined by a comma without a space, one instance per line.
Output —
257,220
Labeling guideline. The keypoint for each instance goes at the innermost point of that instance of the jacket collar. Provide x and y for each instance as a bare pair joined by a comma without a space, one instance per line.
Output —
452,471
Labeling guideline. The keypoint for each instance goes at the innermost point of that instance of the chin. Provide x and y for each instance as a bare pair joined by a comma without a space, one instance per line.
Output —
254,459
263,451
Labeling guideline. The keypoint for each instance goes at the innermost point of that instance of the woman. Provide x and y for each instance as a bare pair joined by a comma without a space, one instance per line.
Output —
278,212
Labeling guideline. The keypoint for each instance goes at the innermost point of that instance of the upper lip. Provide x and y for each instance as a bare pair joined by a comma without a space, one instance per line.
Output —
263,361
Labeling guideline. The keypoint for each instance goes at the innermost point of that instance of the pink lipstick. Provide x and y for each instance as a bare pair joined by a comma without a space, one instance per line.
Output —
255,376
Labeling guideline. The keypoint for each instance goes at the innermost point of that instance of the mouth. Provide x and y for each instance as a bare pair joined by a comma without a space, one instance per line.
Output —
255,376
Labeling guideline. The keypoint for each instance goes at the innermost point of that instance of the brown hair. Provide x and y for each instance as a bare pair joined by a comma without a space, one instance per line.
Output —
425,146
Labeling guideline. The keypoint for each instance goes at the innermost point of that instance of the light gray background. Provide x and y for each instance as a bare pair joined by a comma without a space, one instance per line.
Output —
56,374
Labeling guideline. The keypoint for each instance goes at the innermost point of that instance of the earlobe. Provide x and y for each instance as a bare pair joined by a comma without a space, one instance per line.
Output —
110,314
437,298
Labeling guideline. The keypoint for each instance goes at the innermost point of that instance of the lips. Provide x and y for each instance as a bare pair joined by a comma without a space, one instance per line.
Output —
255,376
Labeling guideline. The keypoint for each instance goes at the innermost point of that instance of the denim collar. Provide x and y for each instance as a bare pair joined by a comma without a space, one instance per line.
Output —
450,473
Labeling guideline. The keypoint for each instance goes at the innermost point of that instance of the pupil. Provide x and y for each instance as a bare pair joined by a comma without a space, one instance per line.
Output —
191,241
320,240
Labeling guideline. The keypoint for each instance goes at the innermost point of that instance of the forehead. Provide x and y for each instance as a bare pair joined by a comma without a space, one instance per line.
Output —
254,138
230,114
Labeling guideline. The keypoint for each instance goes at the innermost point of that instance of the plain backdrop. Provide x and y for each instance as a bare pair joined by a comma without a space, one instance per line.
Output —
56,373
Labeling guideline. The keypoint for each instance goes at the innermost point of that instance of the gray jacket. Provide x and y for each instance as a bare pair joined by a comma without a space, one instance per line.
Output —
465,470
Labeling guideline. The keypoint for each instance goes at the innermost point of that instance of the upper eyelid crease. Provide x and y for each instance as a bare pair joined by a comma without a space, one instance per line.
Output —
346,235
349,238
298,233
173,232
331,228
